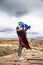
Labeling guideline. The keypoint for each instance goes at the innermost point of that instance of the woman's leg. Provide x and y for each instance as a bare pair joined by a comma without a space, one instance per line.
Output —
20,50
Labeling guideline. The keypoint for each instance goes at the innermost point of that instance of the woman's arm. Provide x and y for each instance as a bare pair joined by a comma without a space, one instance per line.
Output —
19,29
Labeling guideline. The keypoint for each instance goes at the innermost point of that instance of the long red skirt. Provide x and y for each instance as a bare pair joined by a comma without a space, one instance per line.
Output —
24,43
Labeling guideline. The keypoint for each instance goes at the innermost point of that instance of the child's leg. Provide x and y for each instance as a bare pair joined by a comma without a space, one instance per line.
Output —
20,50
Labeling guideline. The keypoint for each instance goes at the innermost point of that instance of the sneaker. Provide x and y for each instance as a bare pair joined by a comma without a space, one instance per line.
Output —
21,58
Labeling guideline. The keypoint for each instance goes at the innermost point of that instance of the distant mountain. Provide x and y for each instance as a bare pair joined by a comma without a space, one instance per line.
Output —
39,37
33,33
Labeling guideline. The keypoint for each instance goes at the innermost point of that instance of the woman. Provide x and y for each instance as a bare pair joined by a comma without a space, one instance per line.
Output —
21,32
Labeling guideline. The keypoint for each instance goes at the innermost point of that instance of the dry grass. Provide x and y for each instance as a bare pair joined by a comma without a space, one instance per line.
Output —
9,47
7,50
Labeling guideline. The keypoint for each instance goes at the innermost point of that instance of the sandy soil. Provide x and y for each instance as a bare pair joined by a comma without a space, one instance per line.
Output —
31,57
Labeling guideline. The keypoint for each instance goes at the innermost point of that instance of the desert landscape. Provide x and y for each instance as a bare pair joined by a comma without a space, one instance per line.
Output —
9,53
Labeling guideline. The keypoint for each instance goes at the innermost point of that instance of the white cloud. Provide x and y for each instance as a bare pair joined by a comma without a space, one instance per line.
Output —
35,21
8,21
11,22
33,10
7,26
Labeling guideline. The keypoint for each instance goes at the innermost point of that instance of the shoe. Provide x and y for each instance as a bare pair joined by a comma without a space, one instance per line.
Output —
21,58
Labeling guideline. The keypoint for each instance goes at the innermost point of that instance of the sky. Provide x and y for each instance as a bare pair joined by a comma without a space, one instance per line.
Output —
28,11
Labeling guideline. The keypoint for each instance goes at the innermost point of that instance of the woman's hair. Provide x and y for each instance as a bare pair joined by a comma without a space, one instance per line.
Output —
17,27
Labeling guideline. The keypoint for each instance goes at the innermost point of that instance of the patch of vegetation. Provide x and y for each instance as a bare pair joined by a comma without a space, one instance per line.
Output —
7,50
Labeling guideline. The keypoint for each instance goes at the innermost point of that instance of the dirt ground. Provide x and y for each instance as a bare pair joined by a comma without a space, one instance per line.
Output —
9,54
31,57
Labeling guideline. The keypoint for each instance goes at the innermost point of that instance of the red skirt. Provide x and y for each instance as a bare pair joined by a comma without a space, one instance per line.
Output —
24,44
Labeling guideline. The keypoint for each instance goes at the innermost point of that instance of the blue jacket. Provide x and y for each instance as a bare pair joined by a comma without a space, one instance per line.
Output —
26,26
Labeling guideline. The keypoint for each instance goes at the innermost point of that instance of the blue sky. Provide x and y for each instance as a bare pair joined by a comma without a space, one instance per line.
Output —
12,11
